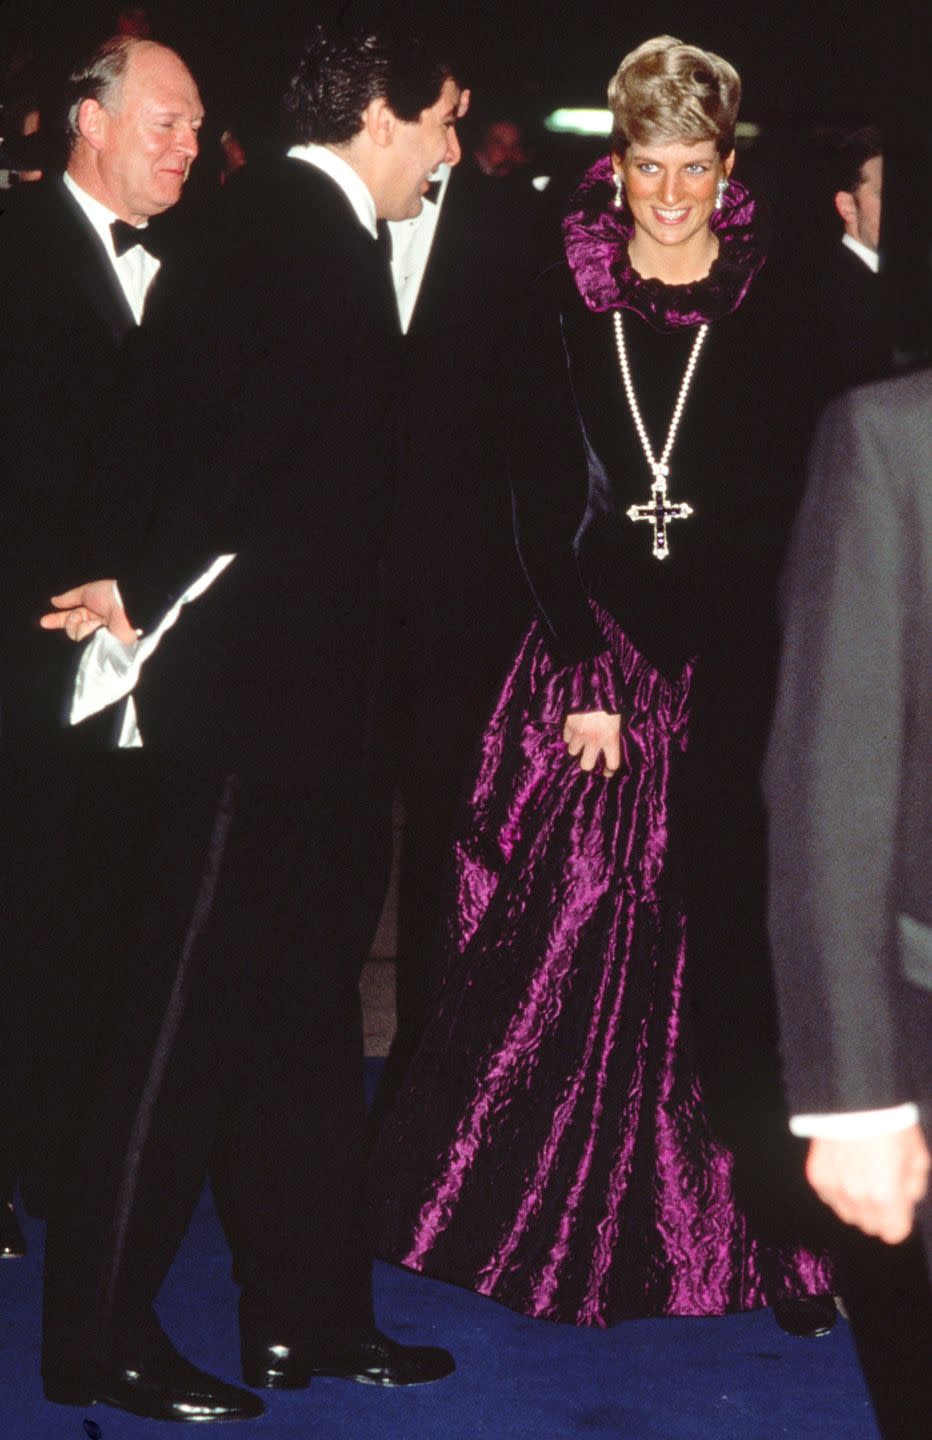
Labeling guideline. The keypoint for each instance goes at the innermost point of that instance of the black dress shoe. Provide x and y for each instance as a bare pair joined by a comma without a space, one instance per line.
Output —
373,1359
808,1316
12,1239
167,1387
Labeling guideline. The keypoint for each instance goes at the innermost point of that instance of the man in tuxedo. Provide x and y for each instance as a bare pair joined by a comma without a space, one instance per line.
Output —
461,270
848,790
265,442
852,305
74,278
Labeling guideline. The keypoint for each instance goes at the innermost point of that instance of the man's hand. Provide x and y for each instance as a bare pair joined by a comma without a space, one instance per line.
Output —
81,611
874,1183
592,734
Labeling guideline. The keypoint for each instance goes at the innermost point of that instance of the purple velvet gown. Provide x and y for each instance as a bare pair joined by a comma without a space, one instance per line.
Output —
550,1147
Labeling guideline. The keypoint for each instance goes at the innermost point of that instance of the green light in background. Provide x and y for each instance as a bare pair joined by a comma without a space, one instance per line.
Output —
579,122
582,121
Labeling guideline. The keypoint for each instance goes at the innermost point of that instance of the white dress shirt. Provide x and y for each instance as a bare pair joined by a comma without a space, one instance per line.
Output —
411,242
864,252
856,1124
136,269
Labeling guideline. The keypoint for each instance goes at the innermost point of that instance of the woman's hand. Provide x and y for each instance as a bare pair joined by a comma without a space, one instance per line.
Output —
592,734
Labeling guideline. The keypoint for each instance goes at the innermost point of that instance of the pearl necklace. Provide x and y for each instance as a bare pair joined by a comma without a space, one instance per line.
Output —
659,510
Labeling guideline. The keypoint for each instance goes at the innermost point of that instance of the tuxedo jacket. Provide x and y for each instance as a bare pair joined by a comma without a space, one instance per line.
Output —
64,334
849,770
263,430
853,330
456,584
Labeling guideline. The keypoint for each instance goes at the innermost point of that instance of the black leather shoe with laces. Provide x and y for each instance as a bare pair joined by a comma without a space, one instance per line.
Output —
166,1387
373,1359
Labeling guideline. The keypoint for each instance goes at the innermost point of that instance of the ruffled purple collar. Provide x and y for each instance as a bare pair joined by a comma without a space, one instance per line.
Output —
596,237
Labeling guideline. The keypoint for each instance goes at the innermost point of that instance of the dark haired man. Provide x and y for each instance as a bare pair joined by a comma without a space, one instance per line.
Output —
458,601
72,301
855,336
265,443
859,178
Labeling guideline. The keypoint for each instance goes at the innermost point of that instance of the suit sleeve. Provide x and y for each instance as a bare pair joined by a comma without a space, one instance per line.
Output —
832,778
200,425
223,382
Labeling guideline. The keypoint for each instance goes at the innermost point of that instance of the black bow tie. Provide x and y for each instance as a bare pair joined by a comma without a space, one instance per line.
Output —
432,193
125,236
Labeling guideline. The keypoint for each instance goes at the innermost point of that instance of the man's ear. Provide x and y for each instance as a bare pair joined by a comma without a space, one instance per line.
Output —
844,204
379,121
92,123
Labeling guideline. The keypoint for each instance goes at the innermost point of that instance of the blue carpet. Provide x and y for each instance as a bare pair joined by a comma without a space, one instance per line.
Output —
737,1378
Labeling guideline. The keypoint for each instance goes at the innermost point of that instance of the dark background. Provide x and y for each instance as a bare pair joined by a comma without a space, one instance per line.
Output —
796,59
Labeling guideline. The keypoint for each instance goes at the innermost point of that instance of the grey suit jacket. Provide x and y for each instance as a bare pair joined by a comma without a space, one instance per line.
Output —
848,779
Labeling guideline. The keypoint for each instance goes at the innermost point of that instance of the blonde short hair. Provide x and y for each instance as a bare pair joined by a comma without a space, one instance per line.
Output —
665,91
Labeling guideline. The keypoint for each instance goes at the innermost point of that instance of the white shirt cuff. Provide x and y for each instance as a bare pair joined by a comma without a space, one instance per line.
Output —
109,670
856,1124
106,674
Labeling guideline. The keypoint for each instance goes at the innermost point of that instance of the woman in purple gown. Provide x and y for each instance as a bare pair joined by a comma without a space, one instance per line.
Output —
552,1147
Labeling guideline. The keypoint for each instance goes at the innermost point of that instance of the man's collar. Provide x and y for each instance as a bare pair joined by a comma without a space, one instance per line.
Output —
864,252
439,180
353,186
99,214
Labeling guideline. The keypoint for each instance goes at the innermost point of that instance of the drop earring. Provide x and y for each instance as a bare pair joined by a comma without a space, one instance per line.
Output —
619,192
720,189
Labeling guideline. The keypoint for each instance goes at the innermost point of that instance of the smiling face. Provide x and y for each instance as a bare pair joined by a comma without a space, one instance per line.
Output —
145,139
671,190
418,147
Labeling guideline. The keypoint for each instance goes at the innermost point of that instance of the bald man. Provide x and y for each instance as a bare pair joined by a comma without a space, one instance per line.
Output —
76,269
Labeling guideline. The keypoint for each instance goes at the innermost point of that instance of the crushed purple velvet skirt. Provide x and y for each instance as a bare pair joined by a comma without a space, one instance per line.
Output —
549,1147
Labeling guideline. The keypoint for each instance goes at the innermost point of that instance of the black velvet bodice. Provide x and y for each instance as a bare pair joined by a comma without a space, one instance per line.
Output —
578,465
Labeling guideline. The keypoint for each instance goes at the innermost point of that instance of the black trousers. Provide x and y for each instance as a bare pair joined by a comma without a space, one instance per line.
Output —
458,608
888,1289
234,1042
441,701
68,812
